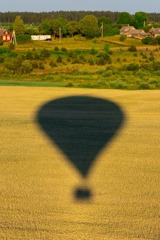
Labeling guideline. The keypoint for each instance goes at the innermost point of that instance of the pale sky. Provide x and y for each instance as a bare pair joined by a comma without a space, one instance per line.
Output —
130,6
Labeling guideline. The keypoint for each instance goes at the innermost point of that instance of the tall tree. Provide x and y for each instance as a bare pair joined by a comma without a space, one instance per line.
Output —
140,19
104,24
105,20
18,25
45,27
59,26
89,26
124,18
72,28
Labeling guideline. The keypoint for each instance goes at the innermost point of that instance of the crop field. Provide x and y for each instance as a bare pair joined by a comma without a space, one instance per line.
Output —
45,194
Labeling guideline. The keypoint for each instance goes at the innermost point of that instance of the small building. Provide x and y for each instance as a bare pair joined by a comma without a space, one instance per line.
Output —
154,32
5,36
41,37
125,30
139,33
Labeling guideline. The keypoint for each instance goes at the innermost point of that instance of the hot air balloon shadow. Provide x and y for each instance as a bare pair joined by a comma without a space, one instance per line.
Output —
81,126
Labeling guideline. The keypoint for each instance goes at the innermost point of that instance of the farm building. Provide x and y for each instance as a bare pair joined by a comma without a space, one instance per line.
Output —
125,30
155,32
5,36
130,31
41,37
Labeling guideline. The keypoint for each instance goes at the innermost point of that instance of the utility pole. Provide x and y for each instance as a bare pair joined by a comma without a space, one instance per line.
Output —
102,28
14,40
60,34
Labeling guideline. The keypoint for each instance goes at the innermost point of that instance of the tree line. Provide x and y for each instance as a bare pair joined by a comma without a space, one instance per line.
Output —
89,25
36,18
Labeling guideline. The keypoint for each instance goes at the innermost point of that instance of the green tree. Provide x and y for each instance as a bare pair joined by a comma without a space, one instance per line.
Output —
89,26
59,26
18,25
72,28
104,24
140,19
45,27
124,18
105,20
31,30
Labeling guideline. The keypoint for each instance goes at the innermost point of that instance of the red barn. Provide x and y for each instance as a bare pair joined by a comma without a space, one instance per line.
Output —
5,36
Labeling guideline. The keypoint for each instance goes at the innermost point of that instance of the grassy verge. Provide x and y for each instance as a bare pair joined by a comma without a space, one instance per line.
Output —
30,83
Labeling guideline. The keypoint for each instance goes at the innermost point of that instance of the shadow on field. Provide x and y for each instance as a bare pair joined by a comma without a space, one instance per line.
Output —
81,126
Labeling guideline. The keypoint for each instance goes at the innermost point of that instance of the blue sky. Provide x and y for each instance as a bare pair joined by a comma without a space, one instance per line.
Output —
130,6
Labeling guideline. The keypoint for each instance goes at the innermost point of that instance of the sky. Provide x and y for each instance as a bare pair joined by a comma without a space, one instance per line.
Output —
131,6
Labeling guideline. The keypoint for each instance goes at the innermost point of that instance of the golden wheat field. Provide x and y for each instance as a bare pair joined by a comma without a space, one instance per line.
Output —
38,181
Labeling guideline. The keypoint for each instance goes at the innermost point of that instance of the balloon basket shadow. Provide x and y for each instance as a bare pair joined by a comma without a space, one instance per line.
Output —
83,194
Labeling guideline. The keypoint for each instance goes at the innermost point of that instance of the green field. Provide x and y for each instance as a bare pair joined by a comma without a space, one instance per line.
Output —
104,63
37,182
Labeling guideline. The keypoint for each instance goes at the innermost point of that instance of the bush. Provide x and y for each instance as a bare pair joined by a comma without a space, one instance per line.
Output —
26,67
1,59
11,46
132,48
141,73
59,59
41,65
118,84
70,84
93,51
91,61
56,48
34,54
103,58
122,38
152,81
158,40
102,83
108,73
132,67
35,65
144,85
23,38
94,40
106,49
44,53
63,49
151,58
12,55
82,59
4,50
150,41
53,64
72,54
156,66
13,64
118,59
37,54
76,60
1,42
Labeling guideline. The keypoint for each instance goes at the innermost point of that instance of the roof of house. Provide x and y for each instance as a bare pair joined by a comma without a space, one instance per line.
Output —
126,29
155,30
130,30
2,31
138,32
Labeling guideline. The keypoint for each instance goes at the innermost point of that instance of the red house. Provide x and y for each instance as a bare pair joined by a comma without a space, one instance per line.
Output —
5,36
